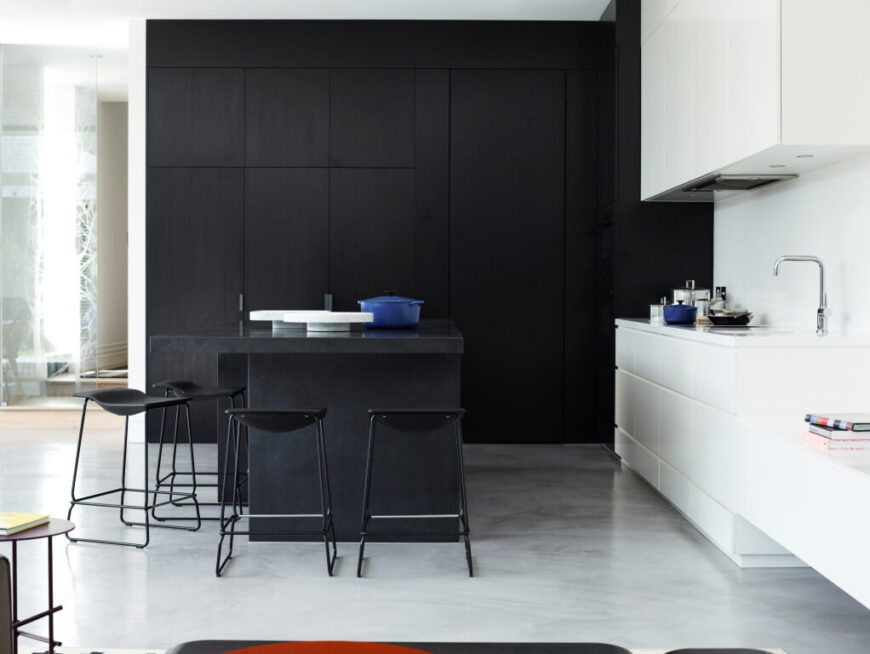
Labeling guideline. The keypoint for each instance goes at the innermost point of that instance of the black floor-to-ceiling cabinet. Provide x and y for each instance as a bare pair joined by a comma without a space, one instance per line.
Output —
460,163
455,162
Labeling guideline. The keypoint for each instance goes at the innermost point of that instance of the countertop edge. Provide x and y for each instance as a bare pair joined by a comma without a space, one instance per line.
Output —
776,338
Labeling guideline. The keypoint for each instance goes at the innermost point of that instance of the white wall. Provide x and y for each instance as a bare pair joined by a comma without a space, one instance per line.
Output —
112,234
825,213
136,217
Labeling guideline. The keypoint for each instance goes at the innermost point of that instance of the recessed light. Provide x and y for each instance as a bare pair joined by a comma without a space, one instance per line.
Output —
805,156
777,165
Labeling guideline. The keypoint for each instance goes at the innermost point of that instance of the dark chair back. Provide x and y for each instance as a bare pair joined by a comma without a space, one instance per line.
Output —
177,386
416,421
275,421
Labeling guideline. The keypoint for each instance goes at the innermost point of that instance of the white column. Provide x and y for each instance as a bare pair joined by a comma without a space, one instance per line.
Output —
136,170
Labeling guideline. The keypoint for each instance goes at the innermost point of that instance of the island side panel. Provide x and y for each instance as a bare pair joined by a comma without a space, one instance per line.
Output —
413,473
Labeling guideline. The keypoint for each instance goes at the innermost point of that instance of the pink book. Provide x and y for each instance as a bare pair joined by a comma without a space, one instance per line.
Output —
822,444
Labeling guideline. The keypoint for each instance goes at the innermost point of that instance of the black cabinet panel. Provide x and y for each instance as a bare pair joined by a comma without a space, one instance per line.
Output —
432,190
195,117
372,118
581,246
507,250
511,44
371,216
286,117
193,271
286,237
371,44
290,43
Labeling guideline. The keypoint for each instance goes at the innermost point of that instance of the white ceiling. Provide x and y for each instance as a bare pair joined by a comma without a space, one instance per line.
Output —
104,24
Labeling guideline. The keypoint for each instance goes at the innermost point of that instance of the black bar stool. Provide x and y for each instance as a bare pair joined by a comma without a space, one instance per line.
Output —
276,422
420,421
192,392
128,402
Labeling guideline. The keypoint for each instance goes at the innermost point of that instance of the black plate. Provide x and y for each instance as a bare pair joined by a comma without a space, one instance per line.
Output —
731,320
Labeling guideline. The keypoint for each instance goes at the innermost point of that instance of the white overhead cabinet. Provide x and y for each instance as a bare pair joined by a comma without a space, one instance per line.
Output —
750,87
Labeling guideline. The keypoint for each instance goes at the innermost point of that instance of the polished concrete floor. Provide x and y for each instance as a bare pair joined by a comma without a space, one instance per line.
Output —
568,544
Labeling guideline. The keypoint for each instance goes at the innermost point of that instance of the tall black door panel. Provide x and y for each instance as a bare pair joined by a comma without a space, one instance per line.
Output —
507,250
581,249
194,270
286,237
372,118
196,117
432,192
286,117
372,236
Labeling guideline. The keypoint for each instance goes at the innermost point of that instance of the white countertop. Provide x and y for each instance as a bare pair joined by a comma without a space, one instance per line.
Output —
746,336
856,460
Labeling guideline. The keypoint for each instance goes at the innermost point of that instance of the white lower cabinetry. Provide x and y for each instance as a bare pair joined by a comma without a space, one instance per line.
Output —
685,449
713,420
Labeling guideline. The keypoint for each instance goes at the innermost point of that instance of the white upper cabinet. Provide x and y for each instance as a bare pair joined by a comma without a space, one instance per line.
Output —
750,87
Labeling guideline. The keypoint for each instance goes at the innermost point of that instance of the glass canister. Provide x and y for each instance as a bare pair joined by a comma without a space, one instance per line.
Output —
657,311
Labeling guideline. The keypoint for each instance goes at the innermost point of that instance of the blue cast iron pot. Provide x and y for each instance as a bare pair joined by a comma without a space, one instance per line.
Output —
392,311
680,314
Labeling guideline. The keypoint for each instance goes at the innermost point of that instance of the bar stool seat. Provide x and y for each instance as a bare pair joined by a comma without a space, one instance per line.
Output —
418,422
128,402
276,423
193,392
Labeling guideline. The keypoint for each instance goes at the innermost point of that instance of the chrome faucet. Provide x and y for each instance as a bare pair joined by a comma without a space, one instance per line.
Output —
823,312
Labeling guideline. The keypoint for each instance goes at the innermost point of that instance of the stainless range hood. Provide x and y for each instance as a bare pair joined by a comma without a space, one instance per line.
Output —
725,182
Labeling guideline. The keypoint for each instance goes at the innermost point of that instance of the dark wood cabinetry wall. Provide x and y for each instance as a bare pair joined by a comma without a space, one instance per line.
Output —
464,163
645,249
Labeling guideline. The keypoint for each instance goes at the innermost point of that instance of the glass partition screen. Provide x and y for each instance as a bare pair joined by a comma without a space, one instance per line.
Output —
48,223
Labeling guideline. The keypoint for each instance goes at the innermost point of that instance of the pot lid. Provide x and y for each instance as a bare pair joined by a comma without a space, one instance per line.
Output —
389,298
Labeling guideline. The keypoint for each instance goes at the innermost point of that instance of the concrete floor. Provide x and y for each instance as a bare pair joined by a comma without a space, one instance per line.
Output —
568,546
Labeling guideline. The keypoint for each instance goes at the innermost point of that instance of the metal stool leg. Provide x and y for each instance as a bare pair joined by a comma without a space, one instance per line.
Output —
157,477
463,498
72,490
174,470
232,432
325,498
124,473
366,514
192,466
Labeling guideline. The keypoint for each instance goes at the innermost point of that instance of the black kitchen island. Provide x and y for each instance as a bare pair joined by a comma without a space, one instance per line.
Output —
348,373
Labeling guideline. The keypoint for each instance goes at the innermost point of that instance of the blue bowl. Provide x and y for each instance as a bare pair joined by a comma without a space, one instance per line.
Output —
680,314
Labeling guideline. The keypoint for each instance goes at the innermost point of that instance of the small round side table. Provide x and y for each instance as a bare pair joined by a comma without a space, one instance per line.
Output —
54,527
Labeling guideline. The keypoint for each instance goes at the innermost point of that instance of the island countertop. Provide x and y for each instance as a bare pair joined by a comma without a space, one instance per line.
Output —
431,337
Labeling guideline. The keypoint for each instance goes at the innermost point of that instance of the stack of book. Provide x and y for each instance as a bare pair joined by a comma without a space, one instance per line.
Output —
12,523
838,431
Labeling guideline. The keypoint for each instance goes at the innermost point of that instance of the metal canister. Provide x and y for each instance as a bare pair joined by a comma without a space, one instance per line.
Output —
690,294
